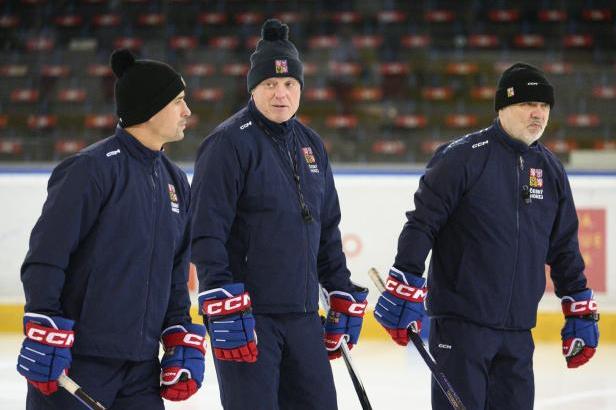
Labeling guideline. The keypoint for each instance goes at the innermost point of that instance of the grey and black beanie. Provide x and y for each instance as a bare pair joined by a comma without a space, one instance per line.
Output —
275,56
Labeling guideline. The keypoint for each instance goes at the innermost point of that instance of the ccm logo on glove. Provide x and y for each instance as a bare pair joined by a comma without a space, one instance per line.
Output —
226,306
193,340
56,338
582,306
405,291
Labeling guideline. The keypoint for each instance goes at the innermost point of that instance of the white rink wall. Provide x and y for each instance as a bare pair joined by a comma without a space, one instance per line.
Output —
373,213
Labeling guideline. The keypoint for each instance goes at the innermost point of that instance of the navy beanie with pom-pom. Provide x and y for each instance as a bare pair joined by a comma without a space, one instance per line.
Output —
275,56
143,87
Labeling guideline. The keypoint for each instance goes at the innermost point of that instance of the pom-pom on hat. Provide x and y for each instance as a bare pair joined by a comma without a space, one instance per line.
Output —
143,87
275,56
523,83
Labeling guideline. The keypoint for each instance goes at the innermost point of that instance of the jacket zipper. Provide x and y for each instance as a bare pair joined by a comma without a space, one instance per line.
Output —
305,228
155,209
283,149
518,169
306,234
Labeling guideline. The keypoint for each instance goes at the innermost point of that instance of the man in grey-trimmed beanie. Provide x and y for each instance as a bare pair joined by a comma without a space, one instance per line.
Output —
494,206
275,56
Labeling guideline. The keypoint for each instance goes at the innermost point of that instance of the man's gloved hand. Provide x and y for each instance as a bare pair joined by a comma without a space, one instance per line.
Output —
46,350
401,305
580,335
344,320
230,322
183,363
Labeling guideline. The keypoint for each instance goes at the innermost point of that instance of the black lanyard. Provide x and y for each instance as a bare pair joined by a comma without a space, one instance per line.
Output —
291,159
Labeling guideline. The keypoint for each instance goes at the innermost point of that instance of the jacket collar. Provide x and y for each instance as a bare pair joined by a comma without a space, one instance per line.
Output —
270,128
515,145
135,148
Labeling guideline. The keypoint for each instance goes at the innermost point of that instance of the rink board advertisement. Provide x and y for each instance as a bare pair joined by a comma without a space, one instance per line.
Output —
373,213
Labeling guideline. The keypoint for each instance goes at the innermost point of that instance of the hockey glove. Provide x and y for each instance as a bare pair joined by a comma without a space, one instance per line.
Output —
344,320
230,322
580,335
401,305
183,363
45,353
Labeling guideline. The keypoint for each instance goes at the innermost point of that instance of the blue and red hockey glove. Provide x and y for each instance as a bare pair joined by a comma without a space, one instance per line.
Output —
230,322
401,305
580,335
46,350
344,320
183,363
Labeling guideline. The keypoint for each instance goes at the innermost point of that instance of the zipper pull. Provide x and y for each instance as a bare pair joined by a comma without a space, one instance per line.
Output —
521,163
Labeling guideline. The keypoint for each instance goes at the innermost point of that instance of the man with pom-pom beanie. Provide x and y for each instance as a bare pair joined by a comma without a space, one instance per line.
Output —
105,277
265,235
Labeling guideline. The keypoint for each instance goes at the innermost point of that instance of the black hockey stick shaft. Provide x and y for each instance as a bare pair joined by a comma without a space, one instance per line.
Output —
346,355
439,376
73,388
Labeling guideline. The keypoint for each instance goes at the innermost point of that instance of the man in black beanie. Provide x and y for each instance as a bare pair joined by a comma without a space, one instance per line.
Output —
495,207
106,274
265,236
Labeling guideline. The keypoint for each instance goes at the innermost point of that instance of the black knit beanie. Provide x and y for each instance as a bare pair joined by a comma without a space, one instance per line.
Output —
275,56
523,83
143,87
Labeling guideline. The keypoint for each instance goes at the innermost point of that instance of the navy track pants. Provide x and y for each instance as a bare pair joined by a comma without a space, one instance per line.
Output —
292,371
488,368
116,384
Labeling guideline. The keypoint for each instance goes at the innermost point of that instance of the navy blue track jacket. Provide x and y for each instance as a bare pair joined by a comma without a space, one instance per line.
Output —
248,224
494,211
111,248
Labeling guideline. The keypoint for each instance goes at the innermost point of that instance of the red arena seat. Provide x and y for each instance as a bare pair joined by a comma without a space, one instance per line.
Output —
208,94
389,147
341,121
131,43
319,94
68,146
249,17
72,95
235,69
411,121
183,42
24,95
42,122
416,41
583,120
100,121
57,71
461,120
151,19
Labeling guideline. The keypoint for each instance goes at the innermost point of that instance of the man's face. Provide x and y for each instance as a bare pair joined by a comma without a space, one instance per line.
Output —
169,123
525,121
277,98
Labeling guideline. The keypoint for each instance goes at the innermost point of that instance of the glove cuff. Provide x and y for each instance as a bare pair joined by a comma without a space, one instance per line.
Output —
406,286
52,331
581,305
189,335
411,279
225,300
343,302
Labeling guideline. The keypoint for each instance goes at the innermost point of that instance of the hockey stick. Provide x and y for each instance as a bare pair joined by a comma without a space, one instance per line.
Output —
439,376
346,355
76,390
